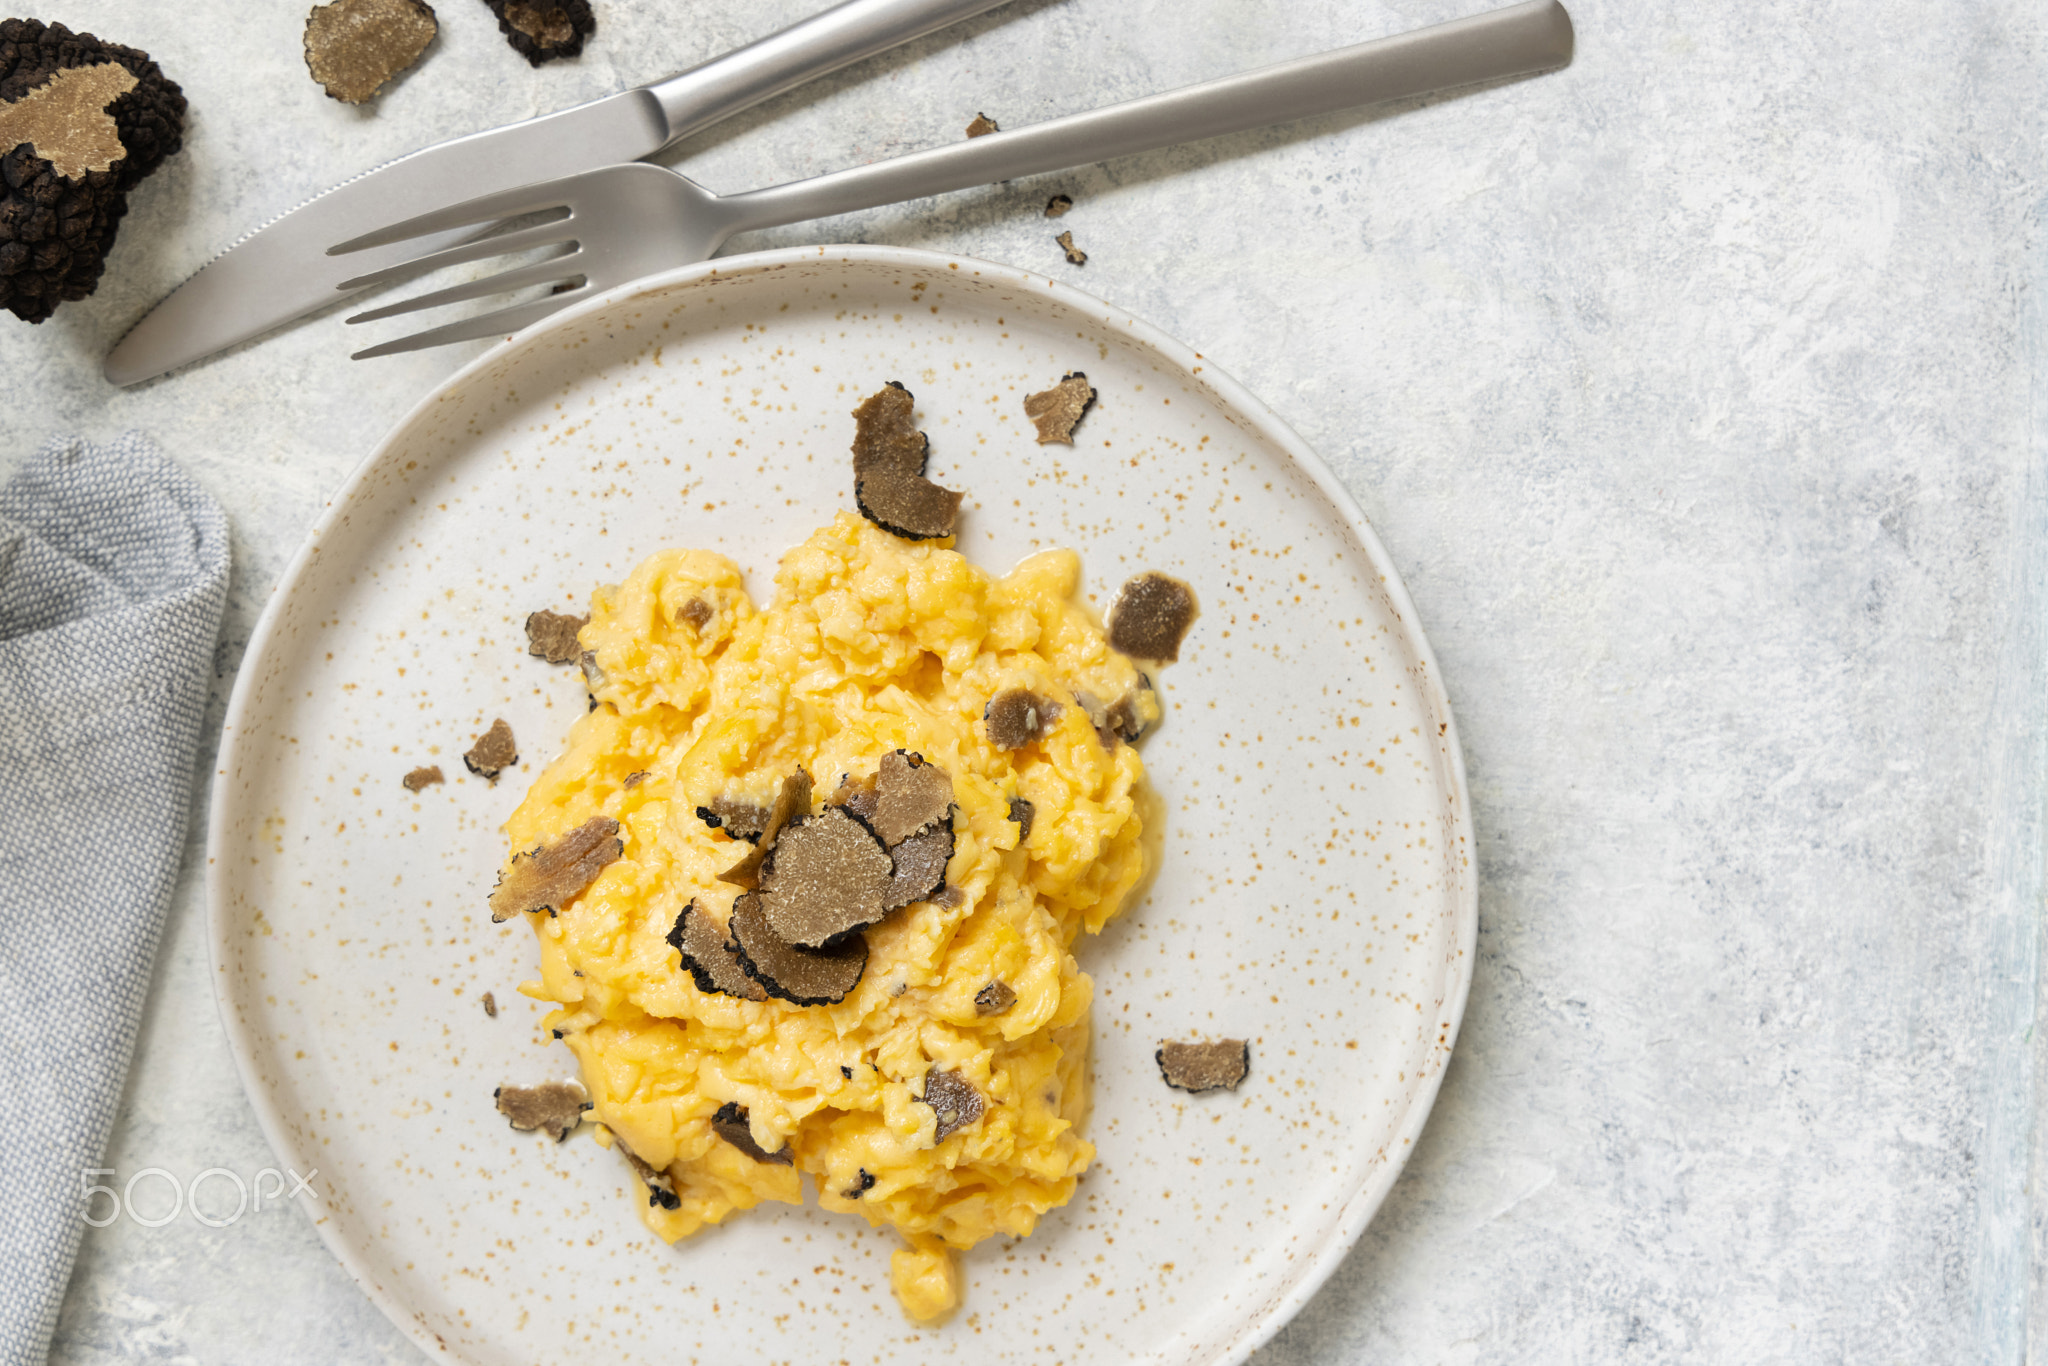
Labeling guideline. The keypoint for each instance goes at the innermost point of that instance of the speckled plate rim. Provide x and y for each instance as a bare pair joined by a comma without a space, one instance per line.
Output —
1363,1204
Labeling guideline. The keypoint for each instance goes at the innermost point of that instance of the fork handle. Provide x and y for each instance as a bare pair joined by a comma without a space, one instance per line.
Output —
1515,41
825,42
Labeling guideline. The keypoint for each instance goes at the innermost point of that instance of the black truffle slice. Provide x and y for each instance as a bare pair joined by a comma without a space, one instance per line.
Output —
955,1101
907,505
1204,1066
423,777
354,46
743,820
490,1005
82,122
982,126
828,877
710,959
545,877
660,1187
633,780
1057,206
494,751
910,794
884,437
730,1124
552,635
555,1107
544,30
805,977
1126,716
920,866
1151,616
858,796
696,613
1075,256
1055,411
793,800
1022,812
995,998
1015,717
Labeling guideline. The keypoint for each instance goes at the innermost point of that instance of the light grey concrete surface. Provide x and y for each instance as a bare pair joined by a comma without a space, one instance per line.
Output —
1693,390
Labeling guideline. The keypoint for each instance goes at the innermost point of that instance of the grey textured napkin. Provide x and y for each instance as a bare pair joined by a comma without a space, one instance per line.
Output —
113,573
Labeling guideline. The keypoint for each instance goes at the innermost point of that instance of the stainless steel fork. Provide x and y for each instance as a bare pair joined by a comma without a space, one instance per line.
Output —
629,221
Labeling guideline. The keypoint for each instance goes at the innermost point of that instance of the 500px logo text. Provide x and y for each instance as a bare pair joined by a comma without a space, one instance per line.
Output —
216,1197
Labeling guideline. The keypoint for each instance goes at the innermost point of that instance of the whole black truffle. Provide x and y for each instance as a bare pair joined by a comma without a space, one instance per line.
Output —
63,180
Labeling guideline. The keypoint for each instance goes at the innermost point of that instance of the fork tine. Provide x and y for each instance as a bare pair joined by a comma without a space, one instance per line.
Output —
501,323
550,271
540,235
488,208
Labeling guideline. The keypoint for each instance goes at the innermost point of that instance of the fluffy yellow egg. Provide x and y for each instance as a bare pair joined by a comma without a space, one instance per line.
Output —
872,644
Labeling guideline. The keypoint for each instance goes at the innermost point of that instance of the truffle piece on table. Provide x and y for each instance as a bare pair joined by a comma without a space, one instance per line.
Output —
1075,256
1015,717
730,1124
805,977
910,793
552,636
1056,411
548,875
828,877
427,775
544,30
354,47
1204,1066
954,1099
1151,617
1057,206
708,956
494,752
490,1005
982,126
791,801
554,1107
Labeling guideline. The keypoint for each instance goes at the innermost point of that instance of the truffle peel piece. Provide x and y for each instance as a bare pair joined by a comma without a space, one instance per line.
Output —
554,1107
1204,1066
1022,812
544,30
548,875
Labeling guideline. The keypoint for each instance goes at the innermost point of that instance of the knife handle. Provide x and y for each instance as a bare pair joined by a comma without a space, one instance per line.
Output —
782,61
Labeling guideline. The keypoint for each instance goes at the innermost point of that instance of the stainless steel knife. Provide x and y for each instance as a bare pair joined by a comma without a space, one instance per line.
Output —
282,271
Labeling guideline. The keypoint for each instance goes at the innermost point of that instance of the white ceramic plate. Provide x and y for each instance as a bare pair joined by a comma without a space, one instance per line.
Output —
1316,893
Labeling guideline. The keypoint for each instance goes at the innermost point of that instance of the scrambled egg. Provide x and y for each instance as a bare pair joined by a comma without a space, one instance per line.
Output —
871,644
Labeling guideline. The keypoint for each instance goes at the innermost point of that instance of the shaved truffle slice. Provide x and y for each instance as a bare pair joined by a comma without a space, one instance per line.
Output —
920,866
828,876
907,505
1022,812
1204,1066
697,613
1126,715
544,30
710,959
955,1101
1017,716
884,437
1057,206
994,999
730,1124
1152,614
792,801
743,820
423,777
354,46
490,1005
1075,256
544,878
910,794
660,1189
858,796
805,977
552,635
1055,411
982,126
633,780
554,1107
494,751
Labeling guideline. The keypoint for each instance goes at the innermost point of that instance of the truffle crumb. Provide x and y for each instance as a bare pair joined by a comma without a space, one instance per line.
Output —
792,801
427,775
1151,616
545,877
1075,256
490,1005
1022,812
955,1101
884,437
660,1187
554,1107
805,977
697,613
1055,411
354,46
552,635
920,866
1017,716
730,1124
709,958
494,752
544,30
827,877
1057,206
1204,1066
994,999
845,1071
982,126
633,780
862,1184
743,820
907,505
910,794
1126,716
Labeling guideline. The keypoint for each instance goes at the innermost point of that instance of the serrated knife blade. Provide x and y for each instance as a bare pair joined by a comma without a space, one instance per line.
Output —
281,271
